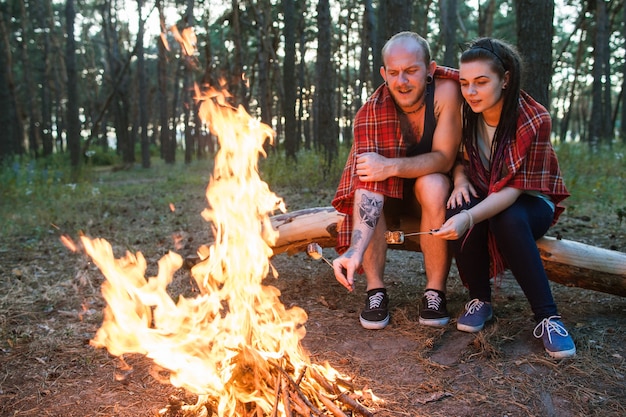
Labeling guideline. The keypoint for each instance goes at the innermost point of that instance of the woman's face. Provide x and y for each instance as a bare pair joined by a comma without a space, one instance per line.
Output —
482,89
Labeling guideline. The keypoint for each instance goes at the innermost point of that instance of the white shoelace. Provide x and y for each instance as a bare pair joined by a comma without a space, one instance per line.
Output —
549,326
432,300
473,306
376,300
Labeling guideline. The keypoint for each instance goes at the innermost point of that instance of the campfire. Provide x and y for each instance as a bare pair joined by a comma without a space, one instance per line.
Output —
234,344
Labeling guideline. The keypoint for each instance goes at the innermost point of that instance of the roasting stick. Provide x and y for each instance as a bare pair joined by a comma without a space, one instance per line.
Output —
397,237
314,250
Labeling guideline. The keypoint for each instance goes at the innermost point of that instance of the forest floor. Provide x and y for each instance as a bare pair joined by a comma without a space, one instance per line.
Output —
51,307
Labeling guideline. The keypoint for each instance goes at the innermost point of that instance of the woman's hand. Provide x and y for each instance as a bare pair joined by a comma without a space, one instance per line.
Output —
461,195
455,226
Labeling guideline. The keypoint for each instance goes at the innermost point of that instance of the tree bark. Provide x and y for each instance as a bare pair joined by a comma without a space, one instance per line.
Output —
486,11
142,101
289,79
623,113
34,121
11,139
448,10
188,65
534,41
326,129
73,121
566,262
599,108
166,137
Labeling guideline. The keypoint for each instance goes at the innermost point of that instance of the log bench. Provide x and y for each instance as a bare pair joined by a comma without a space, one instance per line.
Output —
566,262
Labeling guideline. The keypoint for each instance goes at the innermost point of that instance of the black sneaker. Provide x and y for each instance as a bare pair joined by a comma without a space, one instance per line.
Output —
433,311
375,315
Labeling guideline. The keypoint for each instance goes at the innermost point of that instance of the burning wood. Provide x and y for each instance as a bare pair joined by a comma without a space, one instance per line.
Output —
310,395
235,345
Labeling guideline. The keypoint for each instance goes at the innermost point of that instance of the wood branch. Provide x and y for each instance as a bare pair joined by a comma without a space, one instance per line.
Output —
330,406
566,262
298,228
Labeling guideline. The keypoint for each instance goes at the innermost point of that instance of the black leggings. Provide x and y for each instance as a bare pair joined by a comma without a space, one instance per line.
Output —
516,230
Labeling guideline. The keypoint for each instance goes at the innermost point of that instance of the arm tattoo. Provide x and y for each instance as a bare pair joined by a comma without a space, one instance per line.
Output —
369,211
357,237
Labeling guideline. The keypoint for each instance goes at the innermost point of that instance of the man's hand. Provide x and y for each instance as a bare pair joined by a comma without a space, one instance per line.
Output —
344,267
371,166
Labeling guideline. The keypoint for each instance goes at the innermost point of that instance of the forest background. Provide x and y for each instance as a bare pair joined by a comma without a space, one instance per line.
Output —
101,136
102,82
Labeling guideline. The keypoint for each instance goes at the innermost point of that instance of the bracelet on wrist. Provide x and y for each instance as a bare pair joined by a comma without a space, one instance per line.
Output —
471,218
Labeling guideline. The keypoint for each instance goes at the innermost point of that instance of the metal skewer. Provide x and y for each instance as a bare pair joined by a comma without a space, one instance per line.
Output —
397,237
314,250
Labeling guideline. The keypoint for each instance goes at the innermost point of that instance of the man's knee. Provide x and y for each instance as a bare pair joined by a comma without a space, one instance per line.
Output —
432,189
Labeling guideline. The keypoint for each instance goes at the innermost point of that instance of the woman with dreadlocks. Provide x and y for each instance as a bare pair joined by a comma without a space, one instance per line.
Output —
507,191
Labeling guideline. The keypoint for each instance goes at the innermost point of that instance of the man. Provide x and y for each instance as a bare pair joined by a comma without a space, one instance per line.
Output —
406,139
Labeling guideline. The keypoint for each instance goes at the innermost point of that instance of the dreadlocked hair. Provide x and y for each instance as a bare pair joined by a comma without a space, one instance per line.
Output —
502,57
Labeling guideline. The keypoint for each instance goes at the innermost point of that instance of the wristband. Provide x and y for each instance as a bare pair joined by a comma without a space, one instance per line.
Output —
471,219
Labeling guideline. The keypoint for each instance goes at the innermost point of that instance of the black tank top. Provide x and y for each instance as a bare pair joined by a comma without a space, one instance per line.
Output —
425,144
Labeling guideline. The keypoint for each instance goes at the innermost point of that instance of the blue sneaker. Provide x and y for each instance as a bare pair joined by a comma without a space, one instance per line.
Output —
476,314
375,315
556,339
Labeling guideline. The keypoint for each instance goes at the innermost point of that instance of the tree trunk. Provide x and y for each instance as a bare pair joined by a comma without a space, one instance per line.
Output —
289,78
117,74
142,100
565,123
237,86
597,132
486,11
368,38
11,139
534,41
263,15
73,121
325,131
191,131
303,95
607,124
168,141
34,138
448,10
623,114
566,262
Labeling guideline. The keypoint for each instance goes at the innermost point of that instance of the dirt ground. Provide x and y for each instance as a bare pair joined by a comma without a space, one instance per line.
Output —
50,307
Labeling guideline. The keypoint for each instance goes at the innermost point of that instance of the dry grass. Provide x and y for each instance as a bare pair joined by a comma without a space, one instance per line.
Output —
50,307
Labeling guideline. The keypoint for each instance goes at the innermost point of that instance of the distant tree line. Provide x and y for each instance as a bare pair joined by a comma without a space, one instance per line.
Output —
78,77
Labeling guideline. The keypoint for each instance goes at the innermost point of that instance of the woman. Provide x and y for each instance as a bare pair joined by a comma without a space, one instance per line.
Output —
506,192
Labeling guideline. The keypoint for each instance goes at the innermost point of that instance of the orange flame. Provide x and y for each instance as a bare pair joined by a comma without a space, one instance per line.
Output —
223,343
226,343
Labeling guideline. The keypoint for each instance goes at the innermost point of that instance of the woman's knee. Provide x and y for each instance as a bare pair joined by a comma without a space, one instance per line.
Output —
509,222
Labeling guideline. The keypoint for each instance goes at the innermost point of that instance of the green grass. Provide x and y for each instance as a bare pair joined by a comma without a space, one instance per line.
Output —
596,180
38,196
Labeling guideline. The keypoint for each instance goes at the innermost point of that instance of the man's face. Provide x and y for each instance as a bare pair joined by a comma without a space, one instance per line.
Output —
405,72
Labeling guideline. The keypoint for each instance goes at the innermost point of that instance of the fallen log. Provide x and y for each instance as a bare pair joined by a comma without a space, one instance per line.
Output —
566,262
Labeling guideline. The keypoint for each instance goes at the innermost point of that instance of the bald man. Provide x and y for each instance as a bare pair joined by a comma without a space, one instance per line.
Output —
406,140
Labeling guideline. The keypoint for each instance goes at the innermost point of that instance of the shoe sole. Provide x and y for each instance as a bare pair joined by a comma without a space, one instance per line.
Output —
471,329
434,322
374,325
562,354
